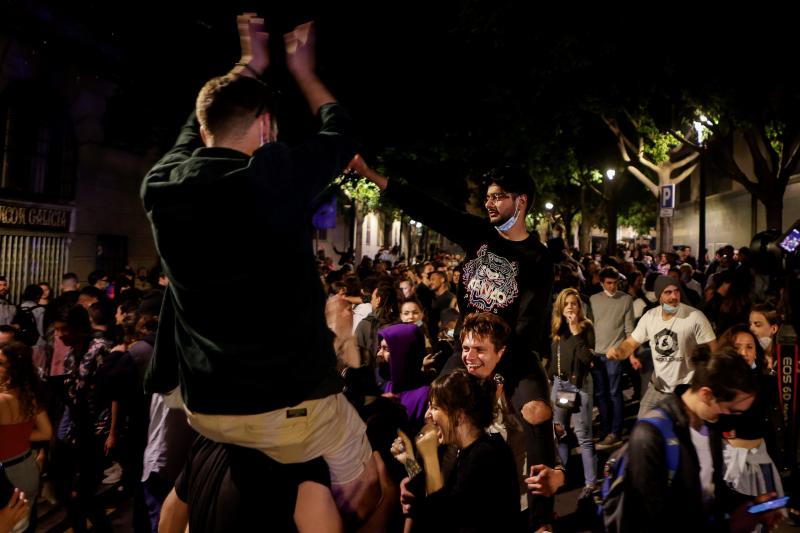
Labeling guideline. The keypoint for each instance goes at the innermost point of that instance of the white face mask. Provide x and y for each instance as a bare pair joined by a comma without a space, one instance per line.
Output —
450,333
669,309
508,224
765,342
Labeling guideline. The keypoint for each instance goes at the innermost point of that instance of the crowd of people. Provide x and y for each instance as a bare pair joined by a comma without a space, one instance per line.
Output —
401,394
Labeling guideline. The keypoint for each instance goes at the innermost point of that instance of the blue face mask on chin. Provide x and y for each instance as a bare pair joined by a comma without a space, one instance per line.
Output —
508,224
669,309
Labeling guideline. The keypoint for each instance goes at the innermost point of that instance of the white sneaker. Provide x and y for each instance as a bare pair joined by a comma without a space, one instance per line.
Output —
112,473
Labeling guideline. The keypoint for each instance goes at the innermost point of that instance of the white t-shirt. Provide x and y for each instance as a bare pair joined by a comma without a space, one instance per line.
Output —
672,342
703,449
360,312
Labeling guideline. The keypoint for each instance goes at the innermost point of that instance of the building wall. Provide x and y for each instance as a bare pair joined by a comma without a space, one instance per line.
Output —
730,217
106,200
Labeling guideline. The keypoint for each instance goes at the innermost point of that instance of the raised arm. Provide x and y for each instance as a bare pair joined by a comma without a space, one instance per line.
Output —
301,61
458,226
253,42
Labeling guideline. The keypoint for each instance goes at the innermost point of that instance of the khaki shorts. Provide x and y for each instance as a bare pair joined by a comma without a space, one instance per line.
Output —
329,428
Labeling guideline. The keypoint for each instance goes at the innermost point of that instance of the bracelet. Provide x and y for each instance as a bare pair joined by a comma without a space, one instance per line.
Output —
251,69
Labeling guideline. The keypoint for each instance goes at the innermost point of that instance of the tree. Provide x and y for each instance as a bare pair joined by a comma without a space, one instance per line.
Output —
773,147
661,155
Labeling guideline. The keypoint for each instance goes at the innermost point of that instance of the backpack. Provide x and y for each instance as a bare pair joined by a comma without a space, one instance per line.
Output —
28,332
613,490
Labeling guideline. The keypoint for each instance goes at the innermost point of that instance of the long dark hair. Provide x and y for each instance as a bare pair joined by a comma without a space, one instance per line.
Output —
21,377
727,339
461,391
725,372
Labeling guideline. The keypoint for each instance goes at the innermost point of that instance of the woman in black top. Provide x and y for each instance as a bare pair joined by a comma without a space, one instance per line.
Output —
573,340
749,438
481,493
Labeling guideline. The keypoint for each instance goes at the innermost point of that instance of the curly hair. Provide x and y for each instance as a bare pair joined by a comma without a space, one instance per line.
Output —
21,377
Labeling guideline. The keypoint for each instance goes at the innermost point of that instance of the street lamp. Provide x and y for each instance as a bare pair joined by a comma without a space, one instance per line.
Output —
611,211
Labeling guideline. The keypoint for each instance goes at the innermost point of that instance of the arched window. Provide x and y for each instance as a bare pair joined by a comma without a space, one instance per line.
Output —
37,144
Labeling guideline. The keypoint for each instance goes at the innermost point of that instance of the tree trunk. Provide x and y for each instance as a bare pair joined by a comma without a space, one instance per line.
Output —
567,219
611,245
774,209
665,234
585,236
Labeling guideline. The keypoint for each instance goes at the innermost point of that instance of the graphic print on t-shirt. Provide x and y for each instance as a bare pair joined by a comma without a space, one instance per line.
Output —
490,281
666,344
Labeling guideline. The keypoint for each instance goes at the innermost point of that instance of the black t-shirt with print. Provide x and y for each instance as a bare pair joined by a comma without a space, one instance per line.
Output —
513,279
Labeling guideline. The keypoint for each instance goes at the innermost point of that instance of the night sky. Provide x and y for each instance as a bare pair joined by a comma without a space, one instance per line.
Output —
441,80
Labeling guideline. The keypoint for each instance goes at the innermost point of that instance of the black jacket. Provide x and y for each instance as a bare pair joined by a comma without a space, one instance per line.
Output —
576,355
653,505
214,212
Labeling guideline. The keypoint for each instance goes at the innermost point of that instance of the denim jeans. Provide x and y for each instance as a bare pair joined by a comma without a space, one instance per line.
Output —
581,422
607,376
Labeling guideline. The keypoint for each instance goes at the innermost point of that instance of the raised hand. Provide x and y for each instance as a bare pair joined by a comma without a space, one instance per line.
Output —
427,441
300,54
253,41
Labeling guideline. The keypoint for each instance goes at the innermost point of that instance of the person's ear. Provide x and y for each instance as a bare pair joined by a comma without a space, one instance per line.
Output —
706,395
501,352
205,135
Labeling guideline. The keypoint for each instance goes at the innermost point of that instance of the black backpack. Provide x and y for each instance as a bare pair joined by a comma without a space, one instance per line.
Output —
28,332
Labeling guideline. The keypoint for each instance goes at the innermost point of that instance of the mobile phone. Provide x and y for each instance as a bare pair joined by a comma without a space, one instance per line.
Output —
769,505
790,240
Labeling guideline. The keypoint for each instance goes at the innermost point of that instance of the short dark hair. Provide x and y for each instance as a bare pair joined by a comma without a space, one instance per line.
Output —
227,105
32,293
69,275
486,325
5,328
608,272
96,276
100,314
512,180
93,292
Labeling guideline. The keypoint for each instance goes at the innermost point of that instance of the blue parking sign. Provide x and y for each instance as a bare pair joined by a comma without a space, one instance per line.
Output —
667,198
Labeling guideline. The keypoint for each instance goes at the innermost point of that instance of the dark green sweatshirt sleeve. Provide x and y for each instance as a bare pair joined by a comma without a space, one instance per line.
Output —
188,141
458,226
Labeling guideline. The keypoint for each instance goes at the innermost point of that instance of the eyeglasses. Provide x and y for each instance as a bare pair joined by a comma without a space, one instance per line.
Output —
496,197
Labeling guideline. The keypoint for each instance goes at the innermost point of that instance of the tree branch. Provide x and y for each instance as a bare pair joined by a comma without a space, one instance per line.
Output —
595,189
771,153
788,169
686,160
680,138
724,159
760,166
685,174
639,175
